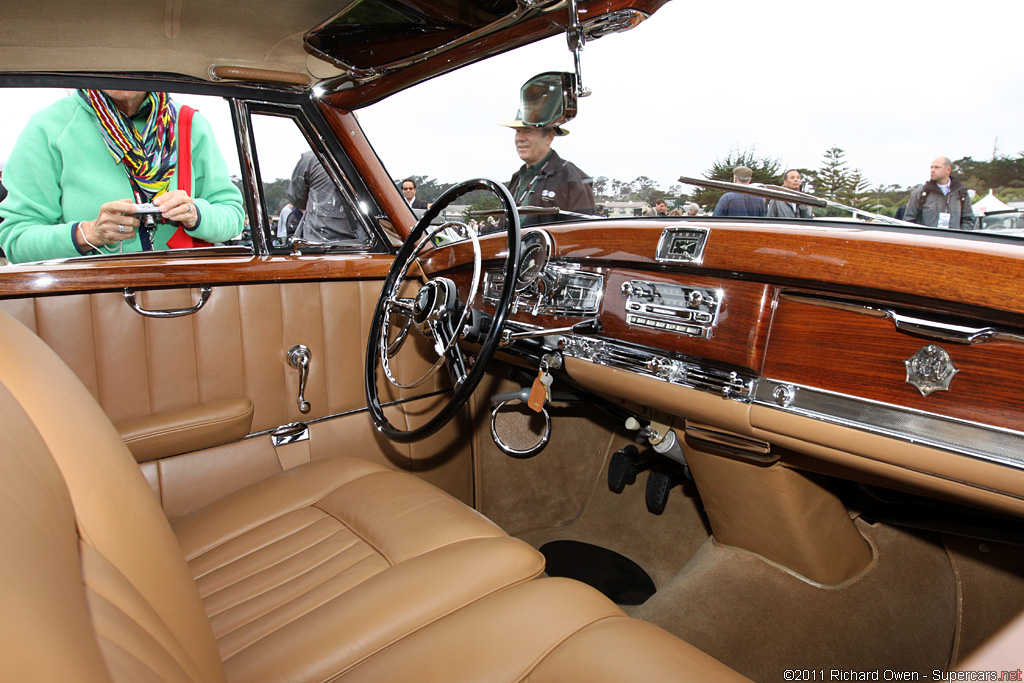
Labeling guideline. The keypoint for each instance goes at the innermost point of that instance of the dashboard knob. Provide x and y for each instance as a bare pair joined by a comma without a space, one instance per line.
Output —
662,367
695,298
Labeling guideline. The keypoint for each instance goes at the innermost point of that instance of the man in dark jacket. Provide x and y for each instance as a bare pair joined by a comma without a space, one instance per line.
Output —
326,216
738,203
942,202
780,208
545,179
409,192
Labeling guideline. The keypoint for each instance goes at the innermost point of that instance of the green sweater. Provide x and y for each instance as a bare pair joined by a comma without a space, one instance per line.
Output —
60,173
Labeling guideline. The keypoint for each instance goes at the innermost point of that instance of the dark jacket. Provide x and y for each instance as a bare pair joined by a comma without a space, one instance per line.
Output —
559,183
927,202
778,208
326,216
739,204
417,203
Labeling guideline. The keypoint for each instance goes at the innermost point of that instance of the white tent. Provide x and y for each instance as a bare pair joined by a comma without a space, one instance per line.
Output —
989,203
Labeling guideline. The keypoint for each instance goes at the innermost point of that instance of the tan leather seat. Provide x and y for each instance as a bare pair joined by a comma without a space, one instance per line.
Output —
548,630
302,575
337,569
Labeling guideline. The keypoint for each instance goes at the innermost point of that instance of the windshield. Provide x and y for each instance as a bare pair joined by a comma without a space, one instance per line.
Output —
859,103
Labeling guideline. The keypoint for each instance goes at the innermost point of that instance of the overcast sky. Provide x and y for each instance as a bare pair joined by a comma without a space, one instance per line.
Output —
893,83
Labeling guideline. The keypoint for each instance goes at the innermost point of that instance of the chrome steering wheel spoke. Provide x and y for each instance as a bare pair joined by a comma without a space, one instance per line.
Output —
437,311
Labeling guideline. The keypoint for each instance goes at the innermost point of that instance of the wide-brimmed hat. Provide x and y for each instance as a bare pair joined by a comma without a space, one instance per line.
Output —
519,123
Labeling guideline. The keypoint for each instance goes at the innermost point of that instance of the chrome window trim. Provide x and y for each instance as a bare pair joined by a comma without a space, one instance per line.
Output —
953,435
246,143
318,144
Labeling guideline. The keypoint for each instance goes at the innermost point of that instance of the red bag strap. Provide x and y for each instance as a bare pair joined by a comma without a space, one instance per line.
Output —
185,147
181,239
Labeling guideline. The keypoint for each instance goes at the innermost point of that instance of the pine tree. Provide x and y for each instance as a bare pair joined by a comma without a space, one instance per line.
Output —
833,181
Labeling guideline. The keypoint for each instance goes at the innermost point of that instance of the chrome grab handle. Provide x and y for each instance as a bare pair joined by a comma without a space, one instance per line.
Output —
934,329
958,334
298,357
204,295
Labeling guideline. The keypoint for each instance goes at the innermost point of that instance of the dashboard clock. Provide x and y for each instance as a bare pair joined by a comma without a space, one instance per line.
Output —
682,245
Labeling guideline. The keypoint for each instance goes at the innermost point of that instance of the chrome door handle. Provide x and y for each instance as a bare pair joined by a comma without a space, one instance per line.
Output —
204,295
299,356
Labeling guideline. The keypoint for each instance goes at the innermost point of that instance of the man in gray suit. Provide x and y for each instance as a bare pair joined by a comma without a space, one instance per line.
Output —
778,208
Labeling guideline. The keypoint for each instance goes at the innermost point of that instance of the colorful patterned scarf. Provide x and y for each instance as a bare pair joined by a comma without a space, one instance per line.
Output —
151,156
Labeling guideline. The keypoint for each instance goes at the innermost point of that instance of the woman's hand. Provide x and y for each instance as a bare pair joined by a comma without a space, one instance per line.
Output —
114,223
178,206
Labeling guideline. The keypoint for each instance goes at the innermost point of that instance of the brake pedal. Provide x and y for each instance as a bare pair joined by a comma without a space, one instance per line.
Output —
659,484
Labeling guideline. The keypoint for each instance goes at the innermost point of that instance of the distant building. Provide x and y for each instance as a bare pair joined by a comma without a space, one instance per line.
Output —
624,209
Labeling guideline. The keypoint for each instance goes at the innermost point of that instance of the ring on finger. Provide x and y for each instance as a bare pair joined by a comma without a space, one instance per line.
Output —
121,228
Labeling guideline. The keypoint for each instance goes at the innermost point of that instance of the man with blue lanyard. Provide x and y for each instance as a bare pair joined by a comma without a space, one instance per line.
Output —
545,179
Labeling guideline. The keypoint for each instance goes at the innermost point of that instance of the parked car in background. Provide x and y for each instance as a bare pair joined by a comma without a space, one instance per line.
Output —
1002,221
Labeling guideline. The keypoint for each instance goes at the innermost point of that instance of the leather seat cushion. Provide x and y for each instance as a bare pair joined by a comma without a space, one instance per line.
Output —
275,565
545,631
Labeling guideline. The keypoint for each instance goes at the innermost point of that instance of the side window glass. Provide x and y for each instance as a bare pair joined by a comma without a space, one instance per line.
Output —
303,198
99,174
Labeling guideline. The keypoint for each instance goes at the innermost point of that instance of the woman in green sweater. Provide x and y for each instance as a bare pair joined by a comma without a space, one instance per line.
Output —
81,167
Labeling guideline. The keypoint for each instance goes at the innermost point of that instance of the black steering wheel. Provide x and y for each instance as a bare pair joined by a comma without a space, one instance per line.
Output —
437,312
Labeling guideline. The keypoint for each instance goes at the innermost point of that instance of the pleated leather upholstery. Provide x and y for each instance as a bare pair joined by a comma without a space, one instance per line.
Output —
396,553
235,346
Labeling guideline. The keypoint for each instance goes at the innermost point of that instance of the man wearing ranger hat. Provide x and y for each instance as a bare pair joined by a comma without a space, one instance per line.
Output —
545,179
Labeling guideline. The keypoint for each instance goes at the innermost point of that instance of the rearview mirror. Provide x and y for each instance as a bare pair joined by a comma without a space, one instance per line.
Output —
548,99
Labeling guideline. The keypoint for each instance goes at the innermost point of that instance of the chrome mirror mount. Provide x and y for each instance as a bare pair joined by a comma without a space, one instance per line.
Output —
577,39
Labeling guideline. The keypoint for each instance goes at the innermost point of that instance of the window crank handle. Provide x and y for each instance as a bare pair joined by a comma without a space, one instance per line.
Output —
298,357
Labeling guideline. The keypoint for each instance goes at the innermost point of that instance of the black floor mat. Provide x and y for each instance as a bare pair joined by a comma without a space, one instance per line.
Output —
618,577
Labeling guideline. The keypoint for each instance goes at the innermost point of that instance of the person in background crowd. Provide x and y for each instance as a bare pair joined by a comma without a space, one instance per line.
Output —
660,208
326,216
779,208
942,202
409,192
738,203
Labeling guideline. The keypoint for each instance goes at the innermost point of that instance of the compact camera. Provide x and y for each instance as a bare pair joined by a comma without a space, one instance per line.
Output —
148,215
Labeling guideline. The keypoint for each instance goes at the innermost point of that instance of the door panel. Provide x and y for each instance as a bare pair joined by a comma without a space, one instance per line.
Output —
236,346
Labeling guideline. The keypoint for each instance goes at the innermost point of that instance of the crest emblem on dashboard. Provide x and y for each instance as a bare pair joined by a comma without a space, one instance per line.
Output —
930,369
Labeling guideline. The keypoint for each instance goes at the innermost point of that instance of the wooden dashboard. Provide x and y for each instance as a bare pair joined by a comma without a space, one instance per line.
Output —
815,331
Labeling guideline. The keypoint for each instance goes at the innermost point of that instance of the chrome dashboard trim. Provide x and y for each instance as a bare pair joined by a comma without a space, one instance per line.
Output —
542,297
663,365
962,437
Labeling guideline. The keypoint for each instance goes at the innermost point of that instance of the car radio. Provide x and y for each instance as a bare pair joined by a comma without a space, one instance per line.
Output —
682,309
